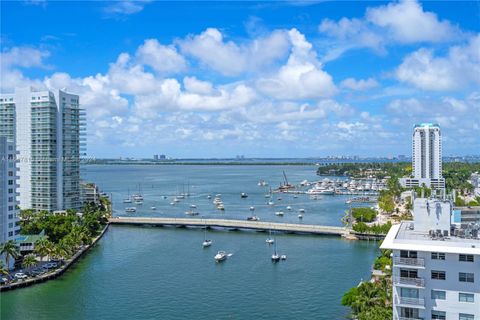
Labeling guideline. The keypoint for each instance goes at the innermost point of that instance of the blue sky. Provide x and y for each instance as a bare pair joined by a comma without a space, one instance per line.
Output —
263,79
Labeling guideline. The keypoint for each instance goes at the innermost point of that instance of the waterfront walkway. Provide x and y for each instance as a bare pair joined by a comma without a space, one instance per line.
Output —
233,225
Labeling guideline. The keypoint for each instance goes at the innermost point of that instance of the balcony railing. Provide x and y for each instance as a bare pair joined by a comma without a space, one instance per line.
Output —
417,282
403,318
416,262
411,301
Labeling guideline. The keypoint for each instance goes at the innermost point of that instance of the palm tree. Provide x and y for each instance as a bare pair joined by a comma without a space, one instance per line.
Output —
3,270
60,251
10,249
29,261
43,247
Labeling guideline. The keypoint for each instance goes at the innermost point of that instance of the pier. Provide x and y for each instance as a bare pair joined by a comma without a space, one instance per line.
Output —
233,225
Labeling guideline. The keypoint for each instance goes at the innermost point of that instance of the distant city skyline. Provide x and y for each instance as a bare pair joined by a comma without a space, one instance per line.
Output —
261,79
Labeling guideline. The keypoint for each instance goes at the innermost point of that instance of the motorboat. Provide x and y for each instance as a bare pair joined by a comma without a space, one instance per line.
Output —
243,195
193,206
319,190
283,257
221,207
289,208
153,208
279,213
192,213
301,210
131,209
220,256
300,216
138,201
270,240
209,197
253,218
271,203
127,200
252,208
172,203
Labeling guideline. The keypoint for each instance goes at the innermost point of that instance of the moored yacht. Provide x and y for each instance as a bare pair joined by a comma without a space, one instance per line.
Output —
131,209
220,256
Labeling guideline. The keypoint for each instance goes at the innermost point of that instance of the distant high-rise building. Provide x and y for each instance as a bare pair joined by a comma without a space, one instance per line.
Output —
426,157
155,157
8,191
46,128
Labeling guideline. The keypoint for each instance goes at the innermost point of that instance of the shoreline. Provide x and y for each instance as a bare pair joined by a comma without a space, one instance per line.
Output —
58,272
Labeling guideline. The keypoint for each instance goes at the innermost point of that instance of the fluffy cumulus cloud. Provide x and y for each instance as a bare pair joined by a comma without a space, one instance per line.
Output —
229,58
301,77
404,22
458,69
163,59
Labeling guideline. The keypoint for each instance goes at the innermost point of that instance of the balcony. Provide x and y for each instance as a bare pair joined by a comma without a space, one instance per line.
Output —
410,302
409,262
414,282
403,318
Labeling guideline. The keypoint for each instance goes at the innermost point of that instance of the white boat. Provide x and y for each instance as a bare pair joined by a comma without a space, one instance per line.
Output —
275,255
283,257
253,218
267,196
206,242
271,203
300,216
127,200
172,203
252,208
262,183
220,256
270,239
138,201
176,199
192,213
318,190
193,206
209,197
221,207
153,208
131,209
137,197
279,213
243,195
289,208
301,210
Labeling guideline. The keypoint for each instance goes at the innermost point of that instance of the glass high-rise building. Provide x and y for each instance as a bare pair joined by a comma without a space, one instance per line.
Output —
47,128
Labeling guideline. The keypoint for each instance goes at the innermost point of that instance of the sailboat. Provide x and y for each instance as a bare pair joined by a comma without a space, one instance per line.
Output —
128,199
275,255
206,242
270,240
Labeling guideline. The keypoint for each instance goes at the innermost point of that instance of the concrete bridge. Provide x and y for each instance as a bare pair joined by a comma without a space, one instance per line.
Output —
233,225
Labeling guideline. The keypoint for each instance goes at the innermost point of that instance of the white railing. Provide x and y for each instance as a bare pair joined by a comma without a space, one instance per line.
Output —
411,301
418,262
417,282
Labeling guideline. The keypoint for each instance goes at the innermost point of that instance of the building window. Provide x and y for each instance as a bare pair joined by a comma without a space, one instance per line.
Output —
438,256
439,315
466,297
466,257
438,295
465,316
438,275
465,277
408,254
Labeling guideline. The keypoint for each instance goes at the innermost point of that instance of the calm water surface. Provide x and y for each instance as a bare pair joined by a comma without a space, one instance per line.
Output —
164,273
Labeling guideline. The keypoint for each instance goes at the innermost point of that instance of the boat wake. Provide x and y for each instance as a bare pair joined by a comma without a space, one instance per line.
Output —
230,254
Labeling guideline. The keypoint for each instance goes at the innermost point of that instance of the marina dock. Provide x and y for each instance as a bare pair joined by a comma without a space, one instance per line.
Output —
233,225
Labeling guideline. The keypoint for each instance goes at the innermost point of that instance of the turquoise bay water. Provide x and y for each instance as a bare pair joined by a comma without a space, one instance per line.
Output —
164,273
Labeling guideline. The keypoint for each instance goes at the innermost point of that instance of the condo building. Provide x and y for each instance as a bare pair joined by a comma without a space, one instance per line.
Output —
436,264
47,128
426,157
8,191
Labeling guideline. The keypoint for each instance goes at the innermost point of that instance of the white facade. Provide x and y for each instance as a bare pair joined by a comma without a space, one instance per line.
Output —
436,266
46,129
426,157
8,191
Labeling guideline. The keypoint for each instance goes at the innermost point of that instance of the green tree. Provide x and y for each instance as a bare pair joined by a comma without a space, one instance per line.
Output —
29,261
43,248
10,250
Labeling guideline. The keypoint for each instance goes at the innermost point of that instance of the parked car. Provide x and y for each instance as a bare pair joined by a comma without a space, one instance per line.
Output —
20,275
3,280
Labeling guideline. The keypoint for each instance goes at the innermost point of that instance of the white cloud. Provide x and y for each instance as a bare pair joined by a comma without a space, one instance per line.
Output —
231,59
193,85
125,7
403,22
163,59
351,83
409,23
457,70
302,77
26,57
